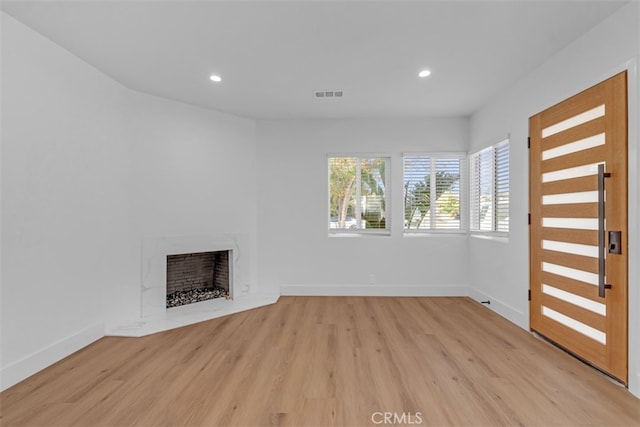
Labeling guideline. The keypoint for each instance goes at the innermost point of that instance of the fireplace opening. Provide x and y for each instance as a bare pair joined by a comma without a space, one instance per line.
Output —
197,277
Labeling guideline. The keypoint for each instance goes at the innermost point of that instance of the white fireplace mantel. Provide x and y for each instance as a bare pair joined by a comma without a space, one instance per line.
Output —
154,266
155,317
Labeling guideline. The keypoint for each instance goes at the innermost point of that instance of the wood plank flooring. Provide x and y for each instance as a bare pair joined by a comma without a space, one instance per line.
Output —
325,361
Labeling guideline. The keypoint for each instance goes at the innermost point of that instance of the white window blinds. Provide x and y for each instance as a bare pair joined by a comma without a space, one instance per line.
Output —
502,187
489,189
432,192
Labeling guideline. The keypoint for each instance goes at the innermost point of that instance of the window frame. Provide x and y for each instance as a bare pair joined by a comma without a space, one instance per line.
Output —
388,159
462,182
473,185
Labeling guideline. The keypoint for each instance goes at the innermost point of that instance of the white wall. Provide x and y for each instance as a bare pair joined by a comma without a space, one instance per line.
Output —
64,200
193,173
295,249
89,169
500,271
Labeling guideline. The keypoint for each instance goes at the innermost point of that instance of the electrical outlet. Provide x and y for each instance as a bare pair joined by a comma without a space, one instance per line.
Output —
372,279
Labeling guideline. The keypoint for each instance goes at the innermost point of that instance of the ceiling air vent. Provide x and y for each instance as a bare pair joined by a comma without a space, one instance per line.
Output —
328,93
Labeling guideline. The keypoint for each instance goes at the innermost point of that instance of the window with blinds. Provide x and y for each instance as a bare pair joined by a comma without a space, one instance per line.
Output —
432,192
489,189
502,187
358,194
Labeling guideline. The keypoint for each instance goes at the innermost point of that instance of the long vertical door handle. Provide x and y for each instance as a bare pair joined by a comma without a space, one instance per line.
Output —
601,231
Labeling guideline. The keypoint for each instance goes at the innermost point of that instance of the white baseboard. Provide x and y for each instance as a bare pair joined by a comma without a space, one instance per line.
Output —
190,314
376,290
504,310
634,384
35,362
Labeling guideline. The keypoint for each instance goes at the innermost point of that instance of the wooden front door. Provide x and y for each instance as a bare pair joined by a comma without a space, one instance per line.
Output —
578,233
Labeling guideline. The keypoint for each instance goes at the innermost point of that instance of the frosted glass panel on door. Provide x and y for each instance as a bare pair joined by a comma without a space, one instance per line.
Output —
574,121
583,144
570,248
574,299
572,273
573,223
567,198
576,172
587,330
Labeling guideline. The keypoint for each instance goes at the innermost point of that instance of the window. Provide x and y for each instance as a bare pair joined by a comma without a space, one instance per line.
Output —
358,194
432,189
489,189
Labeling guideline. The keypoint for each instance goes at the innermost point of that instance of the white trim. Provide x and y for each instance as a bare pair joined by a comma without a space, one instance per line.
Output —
496,236
633,110
412,232
360,155
376,290
191,313
338,232
41,359
634,384
436,154
510,313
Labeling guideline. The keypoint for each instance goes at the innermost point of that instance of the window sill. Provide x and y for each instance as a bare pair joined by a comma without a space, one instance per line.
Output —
496,237
432,233
348,233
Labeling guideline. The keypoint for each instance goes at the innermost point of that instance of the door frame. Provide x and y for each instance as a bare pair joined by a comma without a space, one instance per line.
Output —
633,170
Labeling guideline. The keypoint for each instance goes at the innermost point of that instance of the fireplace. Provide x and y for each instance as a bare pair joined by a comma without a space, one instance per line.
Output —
196,277
155,253
154,314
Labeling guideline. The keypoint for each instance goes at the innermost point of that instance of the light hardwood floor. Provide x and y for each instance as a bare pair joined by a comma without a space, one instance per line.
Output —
315,361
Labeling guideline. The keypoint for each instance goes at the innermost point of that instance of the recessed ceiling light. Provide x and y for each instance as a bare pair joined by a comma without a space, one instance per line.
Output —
215,78
424,73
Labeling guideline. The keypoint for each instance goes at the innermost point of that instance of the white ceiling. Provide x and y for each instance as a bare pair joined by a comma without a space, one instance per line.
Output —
273,55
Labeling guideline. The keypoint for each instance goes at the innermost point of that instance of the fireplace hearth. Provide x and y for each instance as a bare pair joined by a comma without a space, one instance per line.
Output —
179,298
